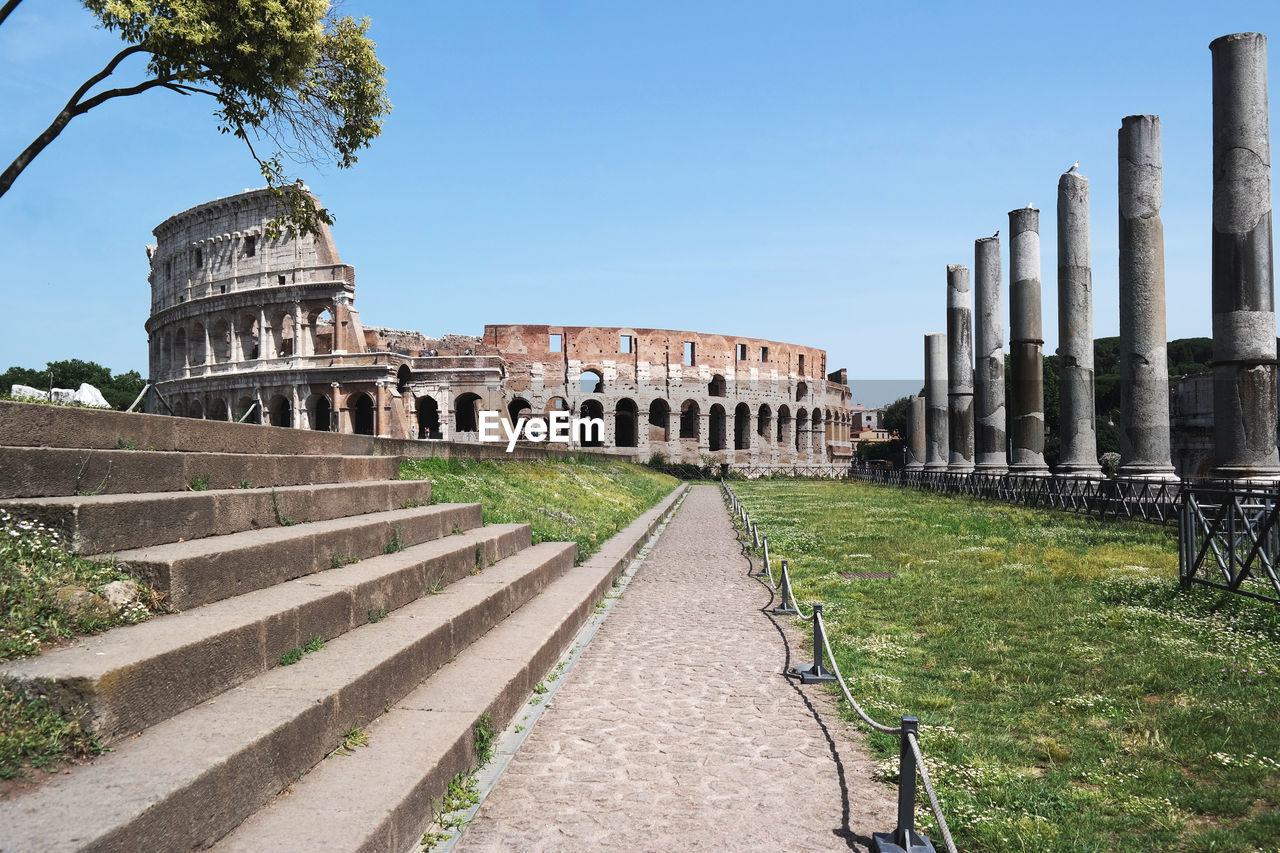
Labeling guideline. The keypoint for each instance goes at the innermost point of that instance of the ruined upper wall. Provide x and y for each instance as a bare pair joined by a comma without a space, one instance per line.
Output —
221,246
594,344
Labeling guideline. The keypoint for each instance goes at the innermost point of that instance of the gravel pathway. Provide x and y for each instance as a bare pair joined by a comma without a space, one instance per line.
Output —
677,731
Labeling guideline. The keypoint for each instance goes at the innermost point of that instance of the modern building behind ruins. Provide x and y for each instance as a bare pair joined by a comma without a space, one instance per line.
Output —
244,326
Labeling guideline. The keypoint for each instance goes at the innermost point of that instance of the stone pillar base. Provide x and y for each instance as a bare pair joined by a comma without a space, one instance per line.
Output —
991,468
1093,472
1030,469
1140,471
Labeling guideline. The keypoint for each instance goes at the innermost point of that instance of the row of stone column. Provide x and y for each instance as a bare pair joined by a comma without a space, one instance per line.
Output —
959,426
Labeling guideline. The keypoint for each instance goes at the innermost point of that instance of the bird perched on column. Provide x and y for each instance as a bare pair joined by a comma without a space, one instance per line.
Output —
1075,167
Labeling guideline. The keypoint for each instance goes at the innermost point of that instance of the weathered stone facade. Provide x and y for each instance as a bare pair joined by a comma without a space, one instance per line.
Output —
243,326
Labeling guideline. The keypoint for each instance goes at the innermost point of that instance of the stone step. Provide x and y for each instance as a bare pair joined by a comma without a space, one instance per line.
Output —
382,795
189,780
207,570
102,524
32,424
130,678
35,472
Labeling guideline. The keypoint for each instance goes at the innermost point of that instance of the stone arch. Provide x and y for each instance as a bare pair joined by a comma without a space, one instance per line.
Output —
428,418
764,422
784,424
625,420
322,330
361,407
518,408
247,405
690,420
557,404
198,355
218,410
250,337
816,428
659,420
716,387
195,410
716,427
220,340
802,391
802,426
319,412
403,377
465,409
592,437
742,427
180,354
280,411
591,381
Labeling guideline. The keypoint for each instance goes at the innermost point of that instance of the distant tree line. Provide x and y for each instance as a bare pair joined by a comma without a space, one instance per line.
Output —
119,389
1185,355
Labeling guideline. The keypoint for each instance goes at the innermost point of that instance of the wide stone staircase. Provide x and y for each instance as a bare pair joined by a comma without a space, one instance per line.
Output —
429,620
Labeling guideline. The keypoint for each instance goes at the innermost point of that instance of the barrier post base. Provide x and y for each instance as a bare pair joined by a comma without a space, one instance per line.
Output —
895,842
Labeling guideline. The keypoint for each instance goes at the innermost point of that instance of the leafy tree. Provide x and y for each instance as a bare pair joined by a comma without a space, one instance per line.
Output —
897,416
119,390
288,71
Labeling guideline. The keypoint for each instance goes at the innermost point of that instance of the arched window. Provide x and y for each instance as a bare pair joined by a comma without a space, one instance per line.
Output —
659,420
465,418
715,388
319,412
592,382
784,425
624,423
218,410
403,377
715,427
764,422
742,427
802,391
281,411
802,428
593,437
361,408
517,409
429,418
690,420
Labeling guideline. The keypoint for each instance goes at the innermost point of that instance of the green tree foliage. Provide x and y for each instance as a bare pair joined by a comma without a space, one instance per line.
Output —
119,389
897,417
290,72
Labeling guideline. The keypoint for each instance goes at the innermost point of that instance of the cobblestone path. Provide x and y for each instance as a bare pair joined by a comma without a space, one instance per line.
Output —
677,731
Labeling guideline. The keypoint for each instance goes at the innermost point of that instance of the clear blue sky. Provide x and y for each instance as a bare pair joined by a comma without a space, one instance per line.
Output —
798,171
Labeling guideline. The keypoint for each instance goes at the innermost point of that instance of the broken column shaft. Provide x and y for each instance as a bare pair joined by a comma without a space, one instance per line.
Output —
1144,368
1026,344
935,394
959,370
1244,320
916,449
1077,431
990,451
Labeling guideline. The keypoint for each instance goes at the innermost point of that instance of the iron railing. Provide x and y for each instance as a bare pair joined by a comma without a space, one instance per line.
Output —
1229,538
724,470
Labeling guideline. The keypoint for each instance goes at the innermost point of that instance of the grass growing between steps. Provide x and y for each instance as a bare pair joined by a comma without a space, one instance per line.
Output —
580,500
1072,696
47,594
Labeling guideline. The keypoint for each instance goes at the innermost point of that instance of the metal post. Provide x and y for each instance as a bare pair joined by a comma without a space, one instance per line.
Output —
816,672
785,608
765,544
904,839
755,535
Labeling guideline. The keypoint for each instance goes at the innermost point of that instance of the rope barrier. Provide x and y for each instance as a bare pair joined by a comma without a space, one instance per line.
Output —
911,759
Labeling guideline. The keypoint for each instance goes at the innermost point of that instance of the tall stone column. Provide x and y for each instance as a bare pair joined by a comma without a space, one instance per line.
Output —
1144,368
1026,344
935,394
991,455
1078,429
916,449
1244,319
959,370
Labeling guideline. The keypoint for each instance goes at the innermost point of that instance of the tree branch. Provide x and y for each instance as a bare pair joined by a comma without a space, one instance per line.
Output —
103,97
7,8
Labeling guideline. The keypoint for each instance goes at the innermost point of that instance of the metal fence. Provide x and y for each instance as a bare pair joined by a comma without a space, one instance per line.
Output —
724,470
904,838
1229,538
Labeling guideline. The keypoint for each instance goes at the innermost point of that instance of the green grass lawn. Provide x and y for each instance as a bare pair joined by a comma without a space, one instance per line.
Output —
1072,696
580,500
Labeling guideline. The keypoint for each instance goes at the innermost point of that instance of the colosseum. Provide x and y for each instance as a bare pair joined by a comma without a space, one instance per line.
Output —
246,327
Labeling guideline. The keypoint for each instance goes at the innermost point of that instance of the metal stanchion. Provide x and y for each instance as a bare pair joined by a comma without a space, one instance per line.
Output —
904,839
764,570
785,608
815,673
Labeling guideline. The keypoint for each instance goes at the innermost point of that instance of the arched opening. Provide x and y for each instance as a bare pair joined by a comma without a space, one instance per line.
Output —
403,377
802,427
218,410
784,425
742,427
802,391
199,355
280,411
764,422
517,409
593,434
715,388
361,408
591,382
715,427
321,332
319,412
221,342
195,410
286,335
250,338
428,418
624,424
690,420
815,428
248,404
179,409
557,404
659,420
180,350
465,418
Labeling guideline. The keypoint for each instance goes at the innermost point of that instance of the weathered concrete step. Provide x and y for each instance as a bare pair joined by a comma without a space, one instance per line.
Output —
31,424
190,779
101,524
134,677
36,472
208,570
381,796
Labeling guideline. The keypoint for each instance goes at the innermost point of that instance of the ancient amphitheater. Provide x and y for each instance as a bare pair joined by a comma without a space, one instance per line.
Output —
246,327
